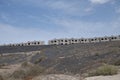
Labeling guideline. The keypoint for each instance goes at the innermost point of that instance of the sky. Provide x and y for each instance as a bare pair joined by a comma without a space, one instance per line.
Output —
29,20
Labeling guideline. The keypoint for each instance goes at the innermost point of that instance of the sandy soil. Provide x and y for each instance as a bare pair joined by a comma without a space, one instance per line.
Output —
68,77
57,77
114,77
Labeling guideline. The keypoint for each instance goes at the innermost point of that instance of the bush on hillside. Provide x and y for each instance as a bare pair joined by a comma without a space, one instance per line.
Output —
39,60
97,54
104,70
25,64
1,78
35,70
117,62
19,74
28,71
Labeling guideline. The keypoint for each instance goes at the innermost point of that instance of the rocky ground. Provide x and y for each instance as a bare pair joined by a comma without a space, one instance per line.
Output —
7,70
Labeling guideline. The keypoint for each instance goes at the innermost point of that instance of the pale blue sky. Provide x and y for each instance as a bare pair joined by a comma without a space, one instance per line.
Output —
28,20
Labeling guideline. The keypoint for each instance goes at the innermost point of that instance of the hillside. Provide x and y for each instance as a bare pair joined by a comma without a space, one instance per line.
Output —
72,59
14,49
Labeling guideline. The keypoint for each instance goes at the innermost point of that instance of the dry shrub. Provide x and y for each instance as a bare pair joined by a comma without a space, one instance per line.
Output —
104,70
19,74
25,72
40,59
35,70
25,64
117,62
1,78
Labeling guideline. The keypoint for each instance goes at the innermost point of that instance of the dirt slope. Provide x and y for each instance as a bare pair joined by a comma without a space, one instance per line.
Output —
75,58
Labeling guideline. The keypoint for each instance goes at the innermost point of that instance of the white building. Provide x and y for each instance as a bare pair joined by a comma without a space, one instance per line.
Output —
83,40
29,43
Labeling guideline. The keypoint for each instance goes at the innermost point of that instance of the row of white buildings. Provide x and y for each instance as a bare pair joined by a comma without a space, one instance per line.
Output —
29,43
67,41
83,40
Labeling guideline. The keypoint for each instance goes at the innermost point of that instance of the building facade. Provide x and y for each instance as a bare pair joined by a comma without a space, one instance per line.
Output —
66,41
29,43
83,40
